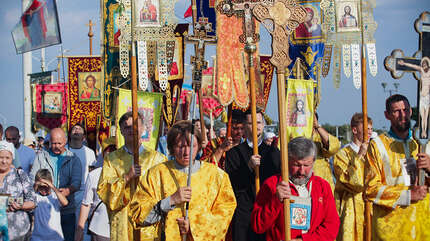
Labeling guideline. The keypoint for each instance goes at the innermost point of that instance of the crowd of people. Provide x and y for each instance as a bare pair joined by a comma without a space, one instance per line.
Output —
194,190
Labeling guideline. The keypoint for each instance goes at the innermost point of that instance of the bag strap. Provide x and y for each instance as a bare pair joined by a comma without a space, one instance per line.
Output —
92,214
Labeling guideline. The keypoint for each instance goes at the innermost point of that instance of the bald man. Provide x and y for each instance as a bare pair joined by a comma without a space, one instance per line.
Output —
66,171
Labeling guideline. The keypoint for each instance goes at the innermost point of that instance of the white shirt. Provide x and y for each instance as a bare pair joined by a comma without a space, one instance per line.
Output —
26,157
100,222
88,158
47,219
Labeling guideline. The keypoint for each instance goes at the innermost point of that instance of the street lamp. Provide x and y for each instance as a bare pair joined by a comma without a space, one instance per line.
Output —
390,91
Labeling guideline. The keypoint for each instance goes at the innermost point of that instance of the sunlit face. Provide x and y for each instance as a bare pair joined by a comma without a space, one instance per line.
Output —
248,126
181,150
237,131
12,137
42,188
300,170
127,129
77,133
58,143
5,160
358,131
400,116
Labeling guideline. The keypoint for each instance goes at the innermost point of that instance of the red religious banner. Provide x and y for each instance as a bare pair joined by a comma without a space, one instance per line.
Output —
85,79
51,105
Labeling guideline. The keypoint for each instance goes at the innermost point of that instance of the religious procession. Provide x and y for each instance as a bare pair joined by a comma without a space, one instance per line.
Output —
175,131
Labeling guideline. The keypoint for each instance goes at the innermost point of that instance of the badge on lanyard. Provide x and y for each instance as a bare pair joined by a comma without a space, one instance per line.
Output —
300,210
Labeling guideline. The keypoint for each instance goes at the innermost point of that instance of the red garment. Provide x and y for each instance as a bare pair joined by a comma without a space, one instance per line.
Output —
268,214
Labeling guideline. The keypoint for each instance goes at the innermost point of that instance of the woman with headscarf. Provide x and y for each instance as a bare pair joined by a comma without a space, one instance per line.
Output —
17,184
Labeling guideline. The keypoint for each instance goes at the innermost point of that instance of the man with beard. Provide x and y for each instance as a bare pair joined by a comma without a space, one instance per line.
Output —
85,155
240,165
400,206
313,212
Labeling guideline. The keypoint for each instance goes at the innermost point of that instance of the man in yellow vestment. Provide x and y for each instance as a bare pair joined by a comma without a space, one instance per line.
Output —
327,146
119,178
349,172
400,208
159,202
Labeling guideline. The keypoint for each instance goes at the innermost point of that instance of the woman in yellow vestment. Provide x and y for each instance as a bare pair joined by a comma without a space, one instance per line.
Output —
161,194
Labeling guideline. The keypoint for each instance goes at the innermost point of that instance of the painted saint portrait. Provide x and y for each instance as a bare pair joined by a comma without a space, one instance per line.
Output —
298,116
52,103
311,28
89,86
347,16
147,13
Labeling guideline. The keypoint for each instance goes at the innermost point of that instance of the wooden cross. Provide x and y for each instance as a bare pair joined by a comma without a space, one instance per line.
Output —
281,18
397,64
90,35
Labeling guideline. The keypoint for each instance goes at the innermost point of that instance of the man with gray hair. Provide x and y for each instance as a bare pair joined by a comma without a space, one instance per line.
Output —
313,212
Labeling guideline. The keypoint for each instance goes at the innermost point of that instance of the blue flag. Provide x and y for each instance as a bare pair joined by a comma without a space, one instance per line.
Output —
38,27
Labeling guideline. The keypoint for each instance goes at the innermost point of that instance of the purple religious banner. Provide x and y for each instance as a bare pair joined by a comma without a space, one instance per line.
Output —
38,27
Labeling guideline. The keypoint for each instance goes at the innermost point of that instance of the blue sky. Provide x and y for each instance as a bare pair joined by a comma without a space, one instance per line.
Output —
395,20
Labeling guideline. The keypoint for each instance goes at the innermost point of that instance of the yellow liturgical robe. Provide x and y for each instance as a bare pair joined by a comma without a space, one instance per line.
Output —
322,164
116,195
349,173
388,181
211,207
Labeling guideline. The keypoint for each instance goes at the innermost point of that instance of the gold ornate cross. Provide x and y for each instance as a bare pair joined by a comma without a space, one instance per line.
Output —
90,24
281,18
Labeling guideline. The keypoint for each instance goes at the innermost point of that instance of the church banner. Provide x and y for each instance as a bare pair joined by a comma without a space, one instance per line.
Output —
51,104
150,107
85,94
300,108
38,27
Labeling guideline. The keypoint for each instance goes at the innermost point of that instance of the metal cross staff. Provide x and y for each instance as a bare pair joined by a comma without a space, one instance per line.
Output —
397,64
249,38
281,17
200,37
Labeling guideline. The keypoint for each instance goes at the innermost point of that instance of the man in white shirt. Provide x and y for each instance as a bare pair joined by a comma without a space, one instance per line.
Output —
25,155
85,155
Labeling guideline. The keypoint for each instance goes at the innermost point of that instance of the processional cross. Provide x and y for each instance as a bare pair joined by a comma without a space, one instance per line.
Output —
243,9
281,18
397,64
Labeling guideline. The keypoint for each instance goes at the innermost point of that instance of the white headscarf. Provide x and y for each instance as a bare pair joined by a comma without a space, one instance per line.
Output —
6,146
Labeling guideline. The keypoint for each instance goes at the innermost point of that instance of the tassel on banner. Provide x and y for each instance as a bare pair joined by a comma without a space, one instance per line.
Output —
356,65
346,57
163,76
336,66
142,61
371,55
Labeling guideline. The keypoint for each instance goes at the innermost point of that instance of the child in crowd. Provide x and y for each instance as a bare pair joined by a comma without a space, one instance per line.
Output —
47,218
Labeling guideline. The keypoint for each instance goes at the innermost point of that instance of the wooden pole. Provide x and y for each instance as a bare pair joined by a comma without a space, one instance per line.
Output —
367,204
230,117
250,50
91,35
284,146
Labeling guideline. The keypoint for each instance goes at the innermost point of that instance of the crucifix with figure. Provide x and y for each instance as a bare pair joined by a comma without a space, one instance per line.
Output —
249,37
199,38
397,64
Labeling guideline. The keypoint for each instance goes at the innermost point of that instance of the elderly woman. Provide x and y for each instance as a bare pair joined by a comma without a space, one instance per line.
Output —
162,193
16,183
